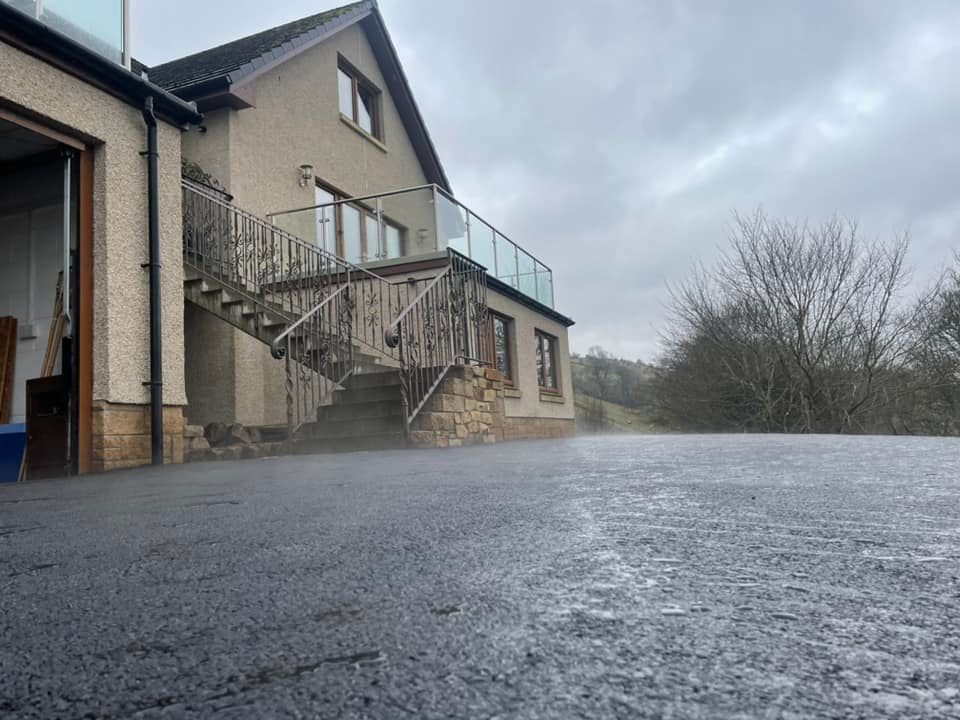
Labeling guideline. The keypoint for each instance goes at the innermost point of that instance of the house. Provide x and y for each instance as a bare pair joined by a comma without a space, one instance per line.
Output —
319,275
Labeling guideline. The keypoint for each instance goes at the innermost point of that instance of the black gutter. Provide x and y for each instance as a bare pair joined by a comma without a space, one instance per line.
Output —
156,326
35,38
524,299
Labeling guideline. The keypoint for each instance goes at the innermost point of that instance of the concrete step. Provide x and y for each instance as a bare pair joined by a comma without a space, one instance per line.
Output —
353,396
376,378
352,427
379,441
370,409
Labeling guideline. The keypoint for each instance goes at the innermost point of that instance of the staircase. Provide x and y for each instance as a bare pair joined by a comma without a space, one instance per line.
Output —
366,414
361,355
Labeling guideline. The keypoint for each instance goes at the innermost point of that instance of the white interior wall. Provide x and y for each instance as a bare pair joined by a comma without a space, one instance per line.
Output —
31,236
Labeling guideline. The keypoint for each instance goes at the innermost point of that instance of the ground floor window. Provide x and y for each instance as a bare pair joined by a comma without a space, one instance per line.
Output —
546,355
500,345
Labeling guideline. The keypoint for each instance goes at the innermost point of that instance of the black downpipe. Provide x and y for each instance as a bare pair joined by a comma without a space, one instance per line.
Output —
156,326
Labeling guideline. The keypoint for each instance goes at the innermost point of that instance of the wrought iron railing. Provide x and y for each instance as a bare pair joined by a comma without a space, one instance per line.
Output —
444,325
335,311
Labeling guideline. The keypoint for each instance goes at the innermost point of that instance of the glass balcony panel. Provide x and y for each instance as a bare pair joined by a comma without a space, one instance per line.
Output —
452,232
507,261
410,229
95,24
371,231
394,244
544,285
481,243
527,274
352,244
412,214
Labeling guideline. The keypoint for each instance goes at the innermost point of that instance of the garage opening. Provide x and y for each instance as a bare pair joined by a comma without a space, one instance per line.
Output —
39,286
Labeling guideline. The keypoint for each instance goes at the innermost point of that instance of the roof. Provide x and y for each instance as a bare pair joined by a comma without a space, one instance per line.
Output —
28,34
237,57
220,76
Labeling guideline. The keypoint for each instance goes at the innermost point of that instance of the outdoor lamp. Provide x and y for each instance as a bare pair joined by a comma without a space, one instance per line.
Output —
306,175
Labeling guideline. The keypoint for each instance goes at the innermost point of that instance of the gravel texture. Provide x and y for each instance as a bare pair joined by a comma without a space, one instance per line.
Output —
655,576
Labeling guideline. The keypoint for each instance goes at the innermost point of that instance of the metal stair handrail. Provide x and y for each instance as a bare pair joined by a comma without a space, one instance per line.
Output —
332,305
444,325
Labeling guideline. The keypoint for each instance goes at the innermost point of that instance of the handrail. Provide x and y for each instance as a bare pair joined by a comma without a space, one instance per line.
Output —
361,198
445,324
275,350
393,338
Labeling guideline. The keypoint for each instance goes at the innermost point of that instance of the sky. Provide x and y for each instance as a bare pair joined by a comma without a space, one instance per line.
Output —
614,139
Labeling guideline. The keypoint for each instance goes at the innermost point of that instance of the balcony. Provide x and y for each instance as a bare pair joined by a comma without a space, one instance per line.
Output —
377,229
98,25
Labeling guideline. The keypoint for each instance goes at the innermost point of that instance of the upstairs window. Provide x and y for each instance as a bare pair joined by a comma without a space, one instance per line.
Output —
546,355
359,100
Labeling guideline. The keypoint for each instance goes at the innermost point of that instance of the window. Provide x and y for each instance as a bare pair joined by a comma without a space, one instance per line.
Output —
351,231
546,354
359,100
499,343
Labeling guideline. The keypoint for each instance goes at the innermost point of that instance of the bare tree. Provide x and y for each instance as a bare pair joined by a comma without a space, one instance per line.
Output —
803,327
600,363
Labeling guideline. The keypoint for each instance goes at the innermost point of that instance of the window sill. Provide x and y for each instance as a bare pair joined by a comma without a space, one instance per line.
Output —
362,133
551,397
511,392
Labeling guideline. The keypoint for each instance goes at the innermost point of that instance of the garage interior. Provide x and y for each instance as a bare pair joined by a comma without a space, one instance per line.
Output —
38,203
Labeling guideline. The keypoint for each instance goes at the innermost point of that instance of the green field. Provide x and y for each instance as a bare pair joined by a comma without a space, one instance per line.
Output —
613,417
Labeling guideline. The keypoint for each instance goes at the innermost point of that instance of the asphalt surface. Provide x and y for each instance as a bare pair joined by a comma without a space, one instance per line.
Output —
674,577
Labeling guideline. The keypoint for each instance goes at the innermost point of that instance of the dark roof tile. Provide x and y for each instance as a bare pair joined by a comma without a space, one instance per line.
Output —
225,59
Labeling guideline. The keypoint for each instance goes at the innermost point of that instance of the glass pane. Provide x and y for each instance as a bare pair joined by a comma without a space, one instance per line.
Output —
394,249
96,24
506,261
549,370
326,221
544,285
414,212
352,249
539,356
366,109
528,278
346,93
372,230
452,232
501,346
481,243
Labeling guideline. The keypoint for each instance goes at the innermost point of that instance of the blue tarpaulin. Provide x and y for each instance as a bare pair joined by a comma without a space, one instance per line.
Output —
13,440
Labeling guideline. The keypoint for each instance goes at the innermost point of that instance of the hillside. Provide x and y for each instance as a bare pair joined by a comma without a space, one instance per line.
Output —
612,394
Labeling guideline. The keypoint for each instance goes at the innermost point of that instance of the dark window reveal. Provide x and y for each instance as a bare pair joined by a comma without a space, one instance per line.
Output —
546,355
501,356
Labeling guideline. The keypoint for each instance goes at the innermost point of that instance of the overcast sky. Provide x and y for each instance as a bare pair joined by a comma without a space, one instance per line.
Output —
614,139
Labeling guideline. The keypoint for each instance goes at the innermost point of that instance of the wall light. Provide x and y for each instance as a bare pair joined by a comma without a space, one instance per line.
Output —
306,175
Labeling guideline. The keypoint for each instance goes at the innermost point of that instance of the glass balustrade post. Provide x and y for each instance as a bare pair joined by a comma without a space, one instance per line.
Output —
436,218
381,232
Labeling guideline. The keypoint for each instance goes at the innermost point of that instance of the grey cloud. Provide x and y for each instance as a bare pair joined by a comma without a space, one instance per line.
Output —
614,139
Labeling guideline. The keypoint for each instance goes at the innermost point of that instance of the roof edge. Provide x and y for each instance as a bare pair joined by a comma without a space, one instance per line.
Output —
49,45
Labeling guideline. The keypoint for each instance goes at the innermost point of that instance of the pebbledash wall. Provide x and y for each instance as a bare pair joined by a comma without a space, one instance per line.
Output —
116,133
255,153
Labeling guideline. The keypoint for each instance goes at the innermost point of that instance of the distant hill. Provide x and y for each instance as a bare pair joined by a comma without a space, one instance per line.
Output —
612,394
599,416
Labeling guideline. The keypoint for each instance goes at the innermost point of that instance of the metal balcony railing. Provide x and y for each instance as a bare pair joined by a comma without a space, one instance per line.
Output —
379,228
